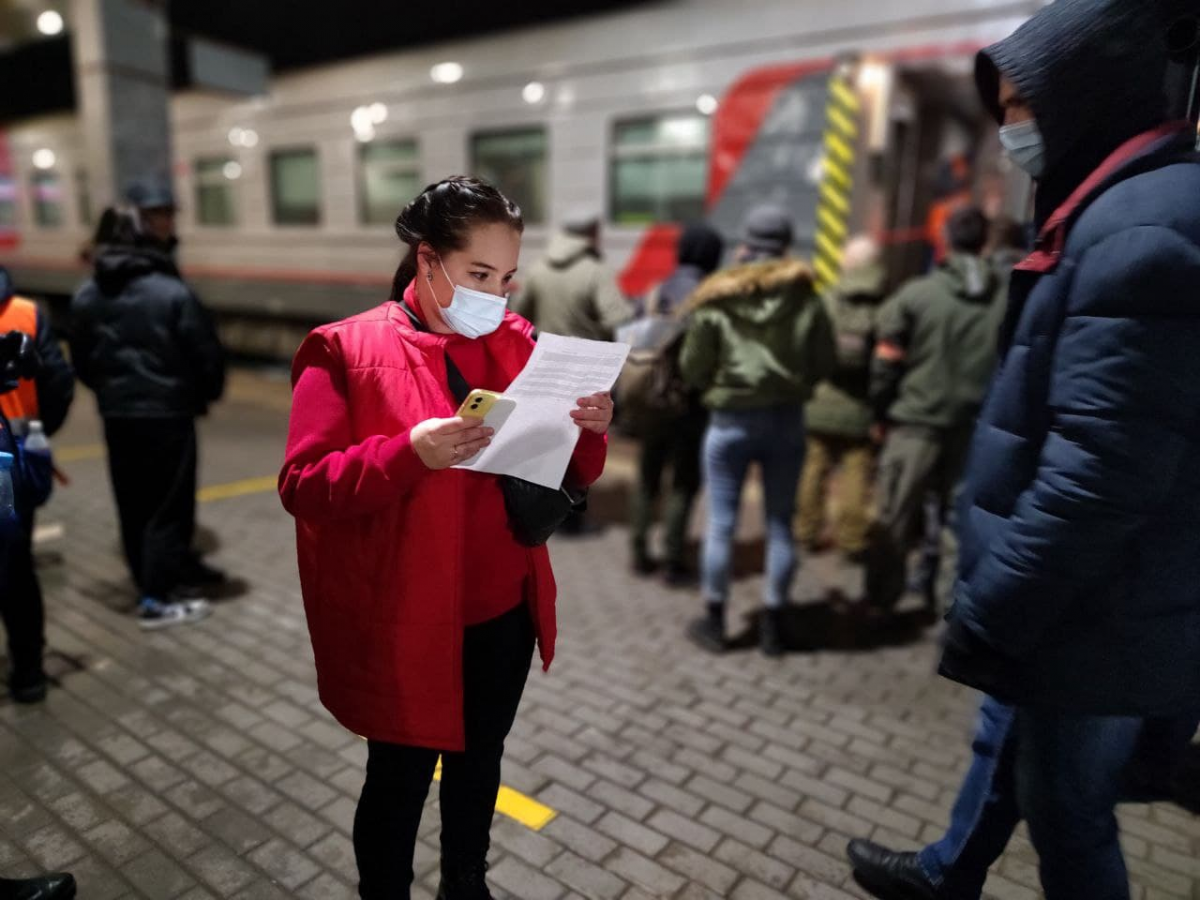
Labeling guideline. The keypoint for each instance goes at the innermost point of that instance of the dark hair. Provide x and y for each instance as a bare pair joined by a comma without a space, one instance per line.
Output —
1008,234
444,215
119,226
967,231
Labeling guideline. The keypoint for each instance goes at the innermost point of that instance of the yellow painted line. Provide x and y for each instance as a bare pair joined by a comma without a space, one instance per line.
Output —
525,810
835,226
846,125
844,95
831,196
79,453
237,489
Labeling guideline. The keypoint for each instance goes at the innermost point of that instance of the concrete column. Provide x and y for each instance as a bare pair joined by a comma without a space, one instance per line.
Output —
122,77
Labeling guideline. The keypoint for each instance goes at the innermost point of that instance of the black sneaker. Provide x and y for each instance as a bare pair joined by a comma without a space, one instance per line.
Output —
464,882
48,887
679,575
155,614
644,566
28,687
708,633
770,633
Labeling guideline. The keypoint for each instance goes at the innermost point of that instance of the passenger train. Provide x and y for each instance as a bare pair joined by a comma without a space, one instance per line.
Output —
650,116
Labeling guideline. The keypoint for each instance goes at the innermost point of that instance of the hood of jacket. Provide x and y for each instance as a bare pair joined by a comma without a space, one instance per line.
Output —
972,279
758,292
565,250
116,267
865,283
1093,72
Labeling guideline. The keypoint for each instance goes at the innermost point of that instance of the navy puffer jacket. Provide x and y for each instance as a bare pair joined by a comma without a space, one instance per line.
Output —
1079,579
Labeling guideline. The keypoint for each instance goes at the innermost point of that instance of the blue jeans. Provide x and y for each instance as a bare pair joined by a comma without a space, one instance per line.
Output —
773,438
1063,774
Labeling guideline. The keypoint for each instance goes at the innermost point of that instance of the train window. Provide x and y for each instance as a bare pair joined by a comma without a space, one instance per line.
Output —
295,187
8,204
47,199
515,162
215,178
390,173
659,169
83,196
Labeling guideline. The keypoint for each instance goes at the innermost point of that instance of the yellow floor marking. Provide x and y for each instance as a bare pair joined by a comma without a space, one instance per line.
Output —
533,815
237,489
79,453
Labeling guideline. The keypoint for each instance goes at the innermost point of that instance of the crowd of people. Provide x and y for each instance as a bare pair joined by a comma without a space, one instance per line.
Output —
1023,418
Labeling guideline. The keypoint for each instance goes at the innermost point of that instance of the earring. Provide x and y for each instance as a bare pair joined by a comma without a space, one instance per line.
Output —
429,275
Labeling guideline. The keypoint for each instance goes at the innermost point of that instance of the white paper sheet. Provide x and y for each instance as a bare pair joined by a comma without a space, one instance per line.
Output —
538,438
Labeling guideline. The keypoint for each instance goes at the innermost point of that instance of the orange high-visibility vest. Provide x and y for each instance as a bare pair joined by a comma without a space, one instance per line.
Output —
19,314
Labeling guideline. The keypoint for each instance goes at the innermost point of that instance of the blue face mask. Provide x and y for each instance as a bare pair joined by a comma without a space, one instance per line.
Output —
473,314
1025,146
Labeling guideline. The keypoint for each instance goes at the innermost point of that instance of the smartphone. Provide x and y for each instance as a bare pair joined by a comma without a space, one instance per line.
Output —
478,404
492,408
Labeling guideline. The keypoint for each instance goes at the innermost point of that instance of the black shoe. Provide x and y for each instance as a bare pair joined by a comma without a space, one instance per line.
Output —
197,576
709,633
770,634
644,566
889,875
464,882
27,688
679,575
49,887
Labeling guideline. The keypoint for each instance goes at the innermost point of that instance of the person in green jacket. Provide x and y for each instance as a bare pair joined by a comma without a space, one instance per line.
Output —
935,354
570,291
839,416
758,342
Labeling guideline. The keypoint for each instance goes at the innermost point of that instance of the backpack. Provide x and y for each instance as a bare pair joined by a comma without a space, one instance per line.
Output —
650,391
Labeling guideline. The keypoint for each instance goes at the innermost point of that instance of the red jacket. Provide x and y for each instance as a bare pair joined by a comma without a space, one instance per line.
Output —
379,536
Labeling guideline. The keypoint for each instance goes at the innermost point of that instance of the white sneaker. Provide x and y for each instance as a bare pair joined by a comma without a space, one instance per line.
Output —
154,614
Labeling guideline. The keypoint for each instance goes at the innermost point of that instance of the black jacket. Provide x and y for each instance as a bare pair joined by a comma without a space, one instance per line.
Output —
142,340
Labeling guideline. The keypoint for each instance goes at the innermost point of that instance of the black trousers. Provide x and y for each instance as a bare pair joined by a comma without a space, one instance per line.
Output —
152,463
21,607
496,658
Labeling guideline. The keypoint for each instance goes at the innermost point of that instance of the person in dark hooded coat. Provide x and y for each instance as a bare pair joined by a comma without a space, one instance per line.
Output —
141,340
1077,603
674,440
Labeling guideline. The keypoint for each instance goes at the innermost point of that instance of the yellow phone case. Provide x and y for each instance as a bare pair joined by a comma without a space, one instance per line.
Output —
478,404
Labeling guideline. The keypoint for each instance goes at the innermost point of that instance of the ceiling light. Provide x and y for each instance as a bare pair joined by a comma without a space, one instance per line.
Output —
378,113
707,104
235,136
249,138
534,92
232,170
44,158
50,23
447,73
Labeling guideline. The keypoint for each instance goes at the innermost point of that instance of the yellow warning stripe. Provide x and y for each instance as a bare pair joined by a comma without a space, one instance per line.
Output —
826,274
832,223
835,171
844,95
79,453
843,123
533,815
237,489
826,245
830,196
840,148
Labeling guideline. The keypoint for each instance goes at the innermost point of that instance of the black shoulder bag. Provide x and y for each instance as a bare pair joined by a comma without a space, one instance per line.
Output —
534,512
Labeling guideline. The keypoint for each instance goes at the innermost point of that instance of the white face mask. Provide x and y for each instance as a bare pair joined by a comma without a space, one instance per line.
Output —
473,314
1025,146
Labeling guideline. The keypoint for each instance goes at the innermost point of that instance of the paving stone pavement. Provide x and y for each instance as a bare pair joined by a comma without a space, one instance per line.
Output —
198,762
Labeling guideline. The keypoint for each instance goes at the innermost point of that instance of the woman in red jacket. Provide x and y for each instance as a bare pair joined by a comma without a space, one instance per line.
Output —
422,607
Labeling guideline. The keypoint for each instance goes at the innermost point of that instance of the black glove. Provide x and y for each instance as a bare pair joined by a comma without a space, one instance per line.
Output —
18,360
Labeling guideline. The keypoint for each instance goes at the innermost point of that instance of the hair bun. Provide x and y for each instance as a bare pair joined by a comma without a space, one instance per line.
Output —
412,225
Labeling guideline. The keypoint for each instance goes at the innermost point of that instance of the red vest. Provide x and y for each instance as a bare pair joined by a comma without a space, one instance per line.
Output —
379,537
